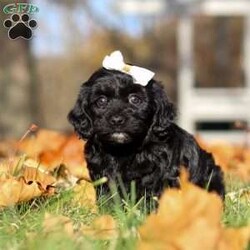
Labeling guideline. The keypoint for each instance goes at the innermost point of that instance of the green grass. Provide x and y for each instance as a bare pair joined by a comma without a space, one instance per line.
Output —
21,225
237,211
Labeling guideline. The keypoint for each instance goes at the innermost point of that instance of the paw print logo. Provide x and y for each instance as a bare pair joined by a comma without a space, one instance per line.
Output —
20,26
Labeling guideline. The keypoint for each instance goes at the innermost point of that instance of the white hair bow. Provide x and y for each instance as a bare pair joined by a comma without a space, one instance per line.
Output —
115,61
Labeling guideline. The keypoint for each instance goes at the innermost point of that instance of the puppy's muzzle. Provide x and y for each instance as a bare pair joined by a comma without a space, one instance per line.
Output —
120,137
117,120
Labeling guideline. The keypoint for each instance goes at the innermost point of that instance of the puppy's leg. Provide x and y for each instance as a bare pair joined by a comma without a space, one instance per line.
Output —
202,168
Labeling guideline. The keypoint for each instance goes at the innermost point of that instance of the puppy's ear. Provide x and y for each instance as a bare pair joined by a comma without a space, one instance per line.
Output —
79,116
164,111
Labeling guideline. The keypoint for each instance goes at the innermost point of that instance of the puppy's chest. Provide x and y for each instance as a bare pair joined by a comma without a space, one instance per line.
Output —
101,164
130,167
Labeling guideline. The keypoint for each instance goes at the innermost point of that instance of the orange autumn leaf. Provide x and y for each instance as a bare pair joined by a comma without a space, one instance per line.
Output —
14,191
189,219
23,180
103,227
45,140
72,150
52,149
36,175
58,224
70,154
85,195
234,239
10,191
223,152
29,190
5,168
12,166
73,156
233,159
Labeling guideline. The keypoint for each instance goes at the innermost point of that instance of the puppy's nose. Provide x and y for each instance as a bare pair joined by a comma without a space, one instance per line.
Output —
117,120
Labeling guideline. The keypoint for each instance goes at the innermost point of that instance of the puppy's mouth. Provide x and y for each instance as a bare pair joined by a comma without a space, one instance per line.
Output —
120,137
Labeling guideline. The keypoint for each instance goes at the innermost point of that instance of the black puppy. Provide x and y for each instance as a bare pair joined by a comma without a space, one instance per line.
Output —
131,133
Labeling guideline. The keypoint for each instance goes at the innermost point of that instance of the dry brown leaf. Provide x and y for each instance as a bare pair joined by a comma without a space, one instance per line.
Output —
47,143
52,149
4,168
189,219
29,182
85,195
14,191
48,151
10,191
234,239
58,224
45,140
72,152
103,227
12,166
37,174
231,158
29,190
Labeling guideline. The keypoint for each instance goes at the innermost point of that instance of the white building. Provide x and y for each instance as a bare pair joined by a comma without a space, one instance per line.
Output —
211,106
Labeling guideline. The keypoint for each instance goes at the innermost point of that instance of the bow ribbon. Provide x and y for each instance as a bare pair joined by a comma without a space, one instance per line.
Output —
115,61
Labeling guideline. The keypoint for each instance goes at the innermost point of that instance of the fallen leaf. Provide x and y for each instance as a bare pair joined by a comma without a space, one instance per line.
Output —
45,141
23,180
58,224
103,227
72,152
188,219
233,159
14,191
10,190
52,148
85,195
234,239
29,190
32,172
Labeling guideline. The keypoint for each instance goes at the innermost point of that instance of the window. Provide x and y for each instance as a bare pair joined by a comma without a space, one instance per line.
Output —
218,51
218,125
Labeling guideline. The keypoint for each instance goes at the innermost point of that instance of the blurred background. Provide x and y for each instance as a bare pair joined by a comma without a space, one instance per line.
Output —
199,49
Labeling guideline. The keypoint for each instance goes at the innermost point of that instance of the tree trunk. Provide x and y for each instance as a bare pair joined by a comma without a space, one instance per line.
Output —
18,94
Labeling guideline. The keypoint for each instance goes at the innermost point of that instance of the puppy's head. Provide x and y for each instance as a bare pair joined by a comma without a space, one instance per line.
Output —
118,111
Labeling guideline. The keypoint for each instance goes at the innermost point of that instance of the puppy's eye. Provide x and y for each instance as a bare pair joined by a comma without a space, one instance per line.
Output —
102,101
134,99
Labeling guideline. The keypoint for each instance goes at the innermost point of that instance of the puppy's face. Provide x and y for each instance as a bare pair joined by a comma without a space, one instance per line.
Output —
113,108
119,109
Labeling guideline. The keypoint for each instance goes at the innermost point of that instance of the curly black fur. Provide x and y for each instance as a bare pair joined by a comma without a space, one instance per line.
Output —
131,134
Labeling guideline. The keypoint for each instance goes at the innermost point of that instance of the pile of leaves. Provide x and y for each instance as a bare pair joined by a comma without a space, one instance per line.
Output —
233,159
48,163
188,219
40,165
